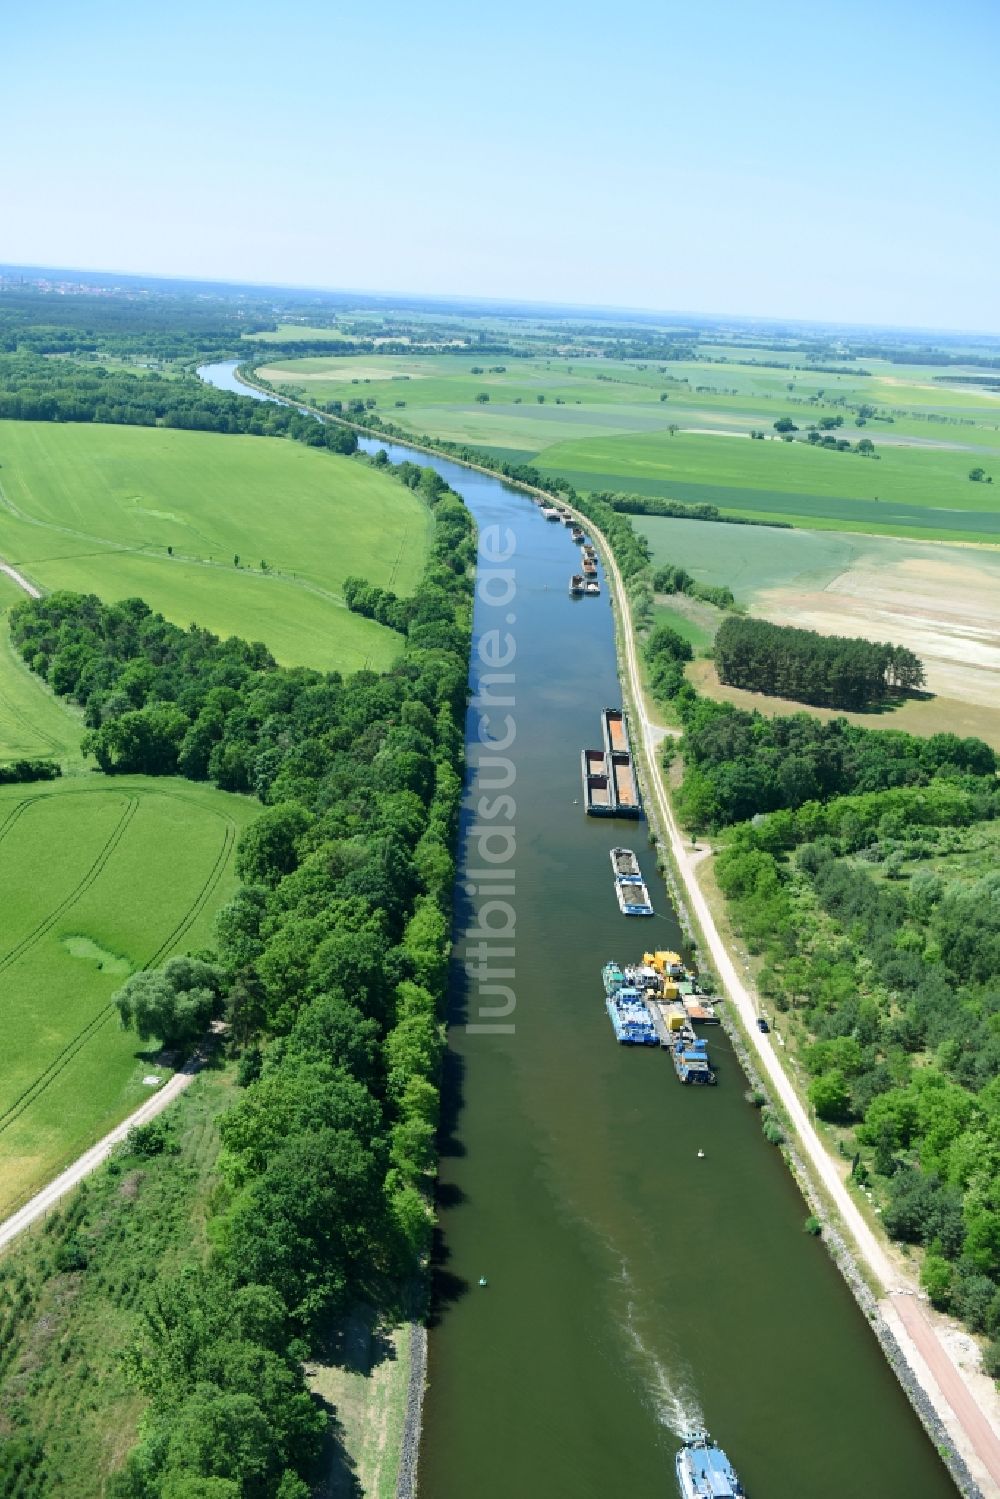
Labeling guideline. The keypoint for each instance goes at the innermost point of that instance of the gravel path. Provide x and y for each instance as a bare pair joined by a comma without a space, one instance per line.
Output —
47,1198
20,580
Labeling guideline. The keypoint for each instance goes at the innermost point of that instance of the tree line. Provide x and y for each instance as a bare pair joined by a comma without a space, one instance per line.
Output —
832,671
35,389
642,504
329,973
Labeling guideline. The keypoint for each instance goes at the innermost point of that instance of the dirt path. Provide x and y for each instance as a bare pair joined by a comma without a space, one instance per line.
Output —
965,1402
20,580
47,1198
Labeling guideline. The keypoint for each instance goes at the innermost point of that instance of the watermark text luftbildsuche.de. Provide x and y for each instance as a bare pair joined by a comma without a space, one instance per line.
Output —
491,937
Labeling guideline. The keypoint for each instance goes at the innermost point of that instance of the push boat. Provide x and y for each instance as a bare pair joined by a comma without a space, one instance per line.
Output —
689,1054
704,1471
626,1010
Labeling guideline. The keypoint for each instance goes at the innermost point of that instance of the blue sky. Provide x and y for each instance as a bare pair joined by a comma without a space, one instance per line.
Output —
744,156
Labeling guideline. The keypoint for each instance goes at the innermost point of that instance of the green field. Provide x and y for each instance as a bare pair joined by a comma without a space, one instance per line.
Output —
94,508
605,424
286,333
98,878
34,725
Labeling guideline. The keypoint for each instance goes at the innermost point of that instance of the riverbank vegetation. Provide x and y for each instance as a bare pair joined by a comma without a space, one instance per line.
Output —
328,978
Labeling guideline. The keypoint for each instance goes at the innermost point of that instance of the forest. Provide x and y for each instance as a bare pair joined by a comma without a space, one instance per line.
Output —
37,389
328,975
877,920
830,671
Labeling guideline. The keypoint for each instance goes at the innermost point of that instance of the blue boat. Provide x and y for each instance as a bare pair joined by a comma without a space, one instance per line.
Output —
689,1054
704,1471
630,1018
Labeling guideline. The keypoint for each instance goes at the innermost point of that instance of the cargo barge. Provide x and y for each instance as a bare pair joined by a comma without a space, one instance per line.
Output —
596,784
633,897
705,1472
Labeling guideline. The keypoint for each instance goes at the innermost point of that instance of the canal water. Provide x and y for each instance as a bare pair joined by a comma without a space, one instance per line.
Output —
636,1287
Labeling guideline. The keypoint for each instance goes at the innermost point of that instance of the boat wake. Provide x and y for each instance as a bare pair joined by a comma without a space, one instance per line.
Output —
671,1392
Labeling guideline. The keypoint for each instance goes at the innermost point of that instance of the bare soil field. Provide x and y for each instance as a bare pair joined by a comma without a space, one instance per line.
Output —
944,603
931,715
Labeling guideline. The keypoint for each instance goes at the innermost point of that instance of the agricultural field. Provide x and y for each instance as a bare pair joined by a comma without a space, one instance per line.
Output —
681,430
941,601
286,333
95,509
98,878
34,724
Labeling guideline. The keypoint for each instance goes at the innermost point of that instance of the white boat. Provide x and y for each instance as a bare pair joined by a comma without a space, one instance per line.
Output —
705,1472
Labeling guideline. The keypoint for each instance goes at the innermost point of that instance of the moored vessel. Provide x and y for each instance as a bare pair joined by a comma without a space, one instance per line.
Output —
576,586
689,1054
704,1471
633,898
597,796
630,888
630,1018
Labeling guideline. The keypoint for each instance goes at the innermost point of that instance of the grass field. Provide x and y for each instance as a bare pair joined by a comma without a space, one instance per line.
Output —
99,877
286,333
94,508
605,424
34,724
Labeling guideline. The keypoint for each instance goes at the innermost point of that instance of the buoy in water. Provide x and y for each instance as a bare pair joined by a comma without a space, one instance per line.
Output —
483,1280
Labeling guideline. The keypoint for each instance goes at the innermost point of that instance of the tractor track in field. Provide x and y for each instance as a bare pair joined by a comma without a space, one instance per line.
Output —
68,1052
47,922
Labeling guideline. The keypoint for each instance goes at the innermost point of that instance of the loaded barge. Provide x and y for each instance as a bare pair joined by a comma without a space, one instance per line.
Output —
630,888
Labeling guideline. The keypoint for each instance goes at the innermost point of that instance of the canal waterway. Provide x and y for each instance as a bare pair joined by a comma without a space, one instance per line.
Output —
635,1286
